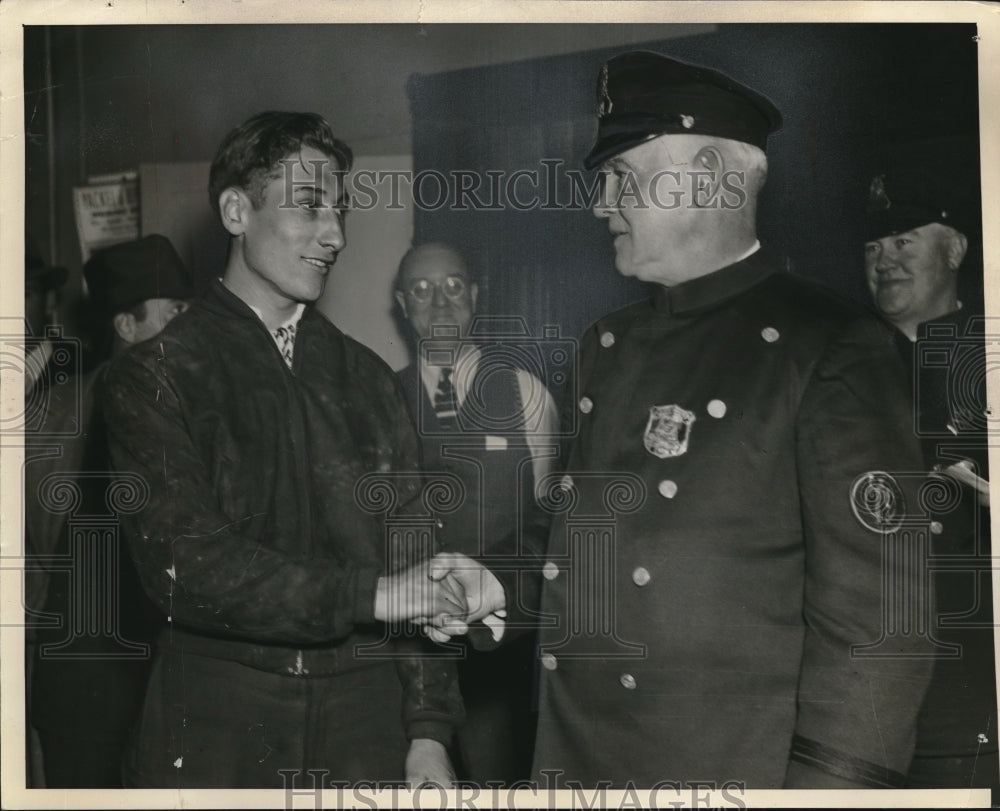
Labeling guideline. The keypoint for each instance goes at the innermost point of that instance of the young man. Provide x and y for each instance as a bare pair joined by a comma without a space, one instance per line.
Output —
252,420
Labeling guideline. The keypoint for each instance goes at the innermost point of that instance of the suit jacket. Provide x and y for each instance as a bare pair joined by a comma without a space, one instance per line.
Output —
490,451
744,439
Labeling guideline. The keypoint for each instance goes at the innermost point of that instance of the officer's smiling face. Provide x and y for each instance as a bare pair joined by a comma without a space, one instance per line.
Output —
647,199
913,276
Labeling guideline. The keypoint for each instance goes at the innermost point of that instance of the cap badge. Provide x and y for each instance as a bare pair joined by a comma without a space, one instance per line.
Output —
878,200
687,121
668,431
604,103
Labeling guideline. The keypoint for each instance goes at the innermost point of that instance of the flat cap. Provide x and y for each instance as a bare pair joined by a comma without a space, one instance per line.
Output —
926,181
642,94
124,275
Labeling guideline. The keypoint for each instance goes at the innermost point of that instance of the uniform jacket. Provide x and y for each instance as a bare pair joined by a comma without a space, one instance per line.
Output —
251,536
707,576
947,370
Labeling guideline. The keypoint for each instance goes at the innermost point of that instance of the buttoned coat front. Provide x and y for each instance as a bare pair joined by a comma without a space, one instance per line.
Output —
717,580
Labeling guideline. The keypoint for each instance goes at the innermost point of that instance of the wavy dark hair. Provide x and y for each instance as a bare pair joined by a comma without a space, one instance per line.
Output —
250,154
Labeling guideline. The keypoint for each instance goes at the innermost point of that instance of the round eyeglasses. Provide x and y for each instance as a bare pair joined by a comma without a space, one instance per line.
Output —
423,290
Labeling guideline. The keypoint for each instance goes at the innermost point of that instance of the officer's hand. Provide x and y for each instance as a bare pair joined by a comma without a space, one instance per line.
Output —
479,589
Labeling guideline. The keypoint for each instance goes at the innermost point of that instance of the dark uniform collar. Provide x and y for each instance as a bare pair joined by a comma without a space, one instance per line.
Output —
714,288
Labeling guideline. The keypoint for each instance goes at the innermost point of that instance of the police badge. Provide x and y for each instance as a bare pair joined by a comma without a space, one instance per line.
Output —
668,431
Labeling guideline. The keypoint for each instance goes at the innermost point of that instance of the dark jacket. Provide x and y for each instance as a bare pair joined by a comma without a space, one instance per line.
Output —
253,534
709,574
956,731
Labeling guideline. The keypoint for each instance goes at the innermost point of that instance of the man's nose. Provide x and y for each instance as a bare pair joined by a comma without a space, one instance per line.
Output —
332,235
604,205
438,298
885,260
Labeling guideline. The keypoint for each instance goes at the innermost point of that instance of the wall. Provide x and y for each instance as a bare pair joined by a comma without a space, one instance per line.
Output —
129,95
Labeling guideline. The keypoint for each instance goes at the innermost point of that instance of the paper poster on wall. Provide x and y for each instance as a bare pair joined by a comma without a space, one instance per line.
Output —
107,211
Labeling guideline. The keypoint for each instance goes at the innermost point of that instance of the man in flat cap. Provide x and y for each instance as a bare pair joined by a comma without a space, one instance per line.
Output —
710,589
256,424
923,222
87,687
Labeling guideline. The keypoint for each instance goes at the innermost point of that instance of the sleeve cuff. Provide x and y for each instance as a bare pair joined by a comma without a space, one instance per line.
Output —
816,765
440,731
364,600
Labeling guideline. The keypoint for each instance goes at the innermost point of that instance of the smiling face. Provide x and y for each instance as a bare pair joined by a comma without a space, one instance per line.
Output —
913,276
434,290
284,247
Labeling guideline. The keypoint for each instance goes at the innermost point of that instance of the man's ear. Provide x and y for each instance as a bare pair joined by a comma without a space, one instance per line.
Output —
233,207
401,301
957,247
473,294
709,166
124,326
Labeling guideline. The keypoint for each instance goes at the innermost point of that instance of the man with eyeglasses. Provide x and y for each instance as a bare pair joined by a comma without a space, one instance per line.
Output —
483,420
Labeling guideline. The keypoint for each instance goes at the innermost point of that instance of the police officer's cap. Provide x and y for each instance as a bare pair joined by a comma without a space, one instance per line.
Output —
127,274
642,94
926,181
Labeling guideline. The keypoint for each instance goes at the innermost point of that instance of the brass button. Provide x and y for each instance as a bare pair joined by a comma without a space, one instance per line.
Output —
717,409
667,488
641,576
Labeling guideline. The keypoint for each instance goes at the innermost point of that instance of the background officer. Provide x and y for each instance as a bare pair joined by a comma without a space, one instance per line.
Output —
923,218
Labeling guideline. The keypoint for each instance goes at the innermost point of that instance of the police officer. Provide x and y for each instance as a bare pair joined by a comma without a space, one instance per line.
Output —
713,586
923,217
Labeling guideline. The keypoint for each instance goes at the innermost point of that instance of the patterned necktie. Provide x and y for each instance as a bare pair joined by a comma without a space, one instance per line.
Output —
445,404
285,338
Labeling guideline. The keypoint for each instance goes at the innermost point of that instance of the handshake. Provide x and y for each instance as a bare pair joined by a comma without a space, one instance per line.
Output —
443,594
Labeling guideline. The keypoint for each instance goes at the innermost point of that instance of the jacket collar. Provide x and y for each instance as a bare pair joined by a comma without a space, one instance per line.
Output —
714,288
220,299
